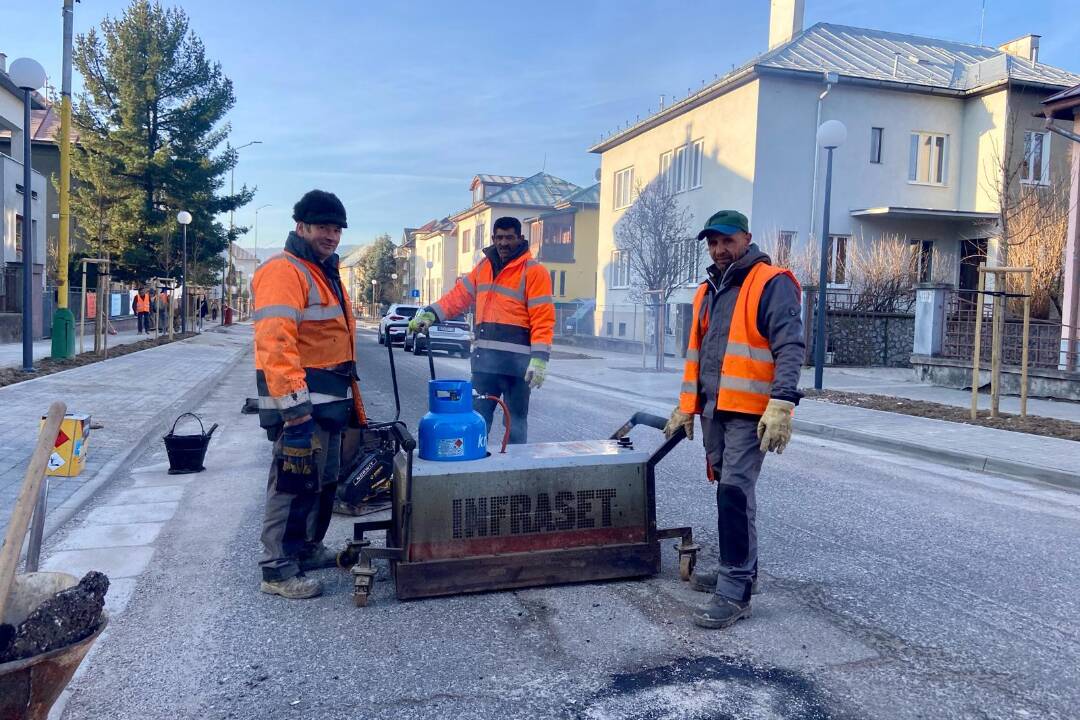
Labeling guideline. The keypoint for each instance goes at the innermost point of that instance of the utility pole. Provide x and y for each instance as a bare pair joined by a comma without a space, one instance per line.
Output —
225,287
63,321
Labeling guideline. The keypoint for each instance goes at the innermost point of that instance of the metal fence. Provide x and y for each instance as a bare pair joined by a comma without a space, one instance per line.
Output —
1044,336
862,330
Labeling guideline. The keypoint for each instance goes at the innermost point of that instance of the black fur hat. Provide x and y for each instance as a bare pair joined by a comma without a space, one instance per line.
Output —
319,207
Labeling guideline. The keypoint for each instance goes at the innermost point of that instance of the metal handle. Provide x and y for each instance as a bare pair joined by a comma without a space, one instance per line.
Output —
202,429
401,432
640,418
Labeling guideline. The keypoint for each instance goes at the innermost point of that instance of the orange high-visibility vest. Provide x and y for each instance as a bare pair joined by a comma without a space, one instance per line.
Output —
747,372
142,303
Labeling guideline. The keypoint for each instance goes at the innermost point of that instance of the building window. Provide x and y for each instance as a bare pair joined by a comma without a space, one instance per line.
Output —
1036,166
480,238
876,136
678,169
624,184
928,160
837,271
665,171
620,269
465,240
622,329
922,266
690,260
785,240
697,155
610,329
551,274
562,283
553,238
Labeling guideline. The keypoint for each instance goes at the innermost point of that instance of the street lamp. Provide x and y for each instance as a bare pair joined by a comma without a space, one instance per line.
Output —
226,291
261,207
430,265
28,76
831,134
184,218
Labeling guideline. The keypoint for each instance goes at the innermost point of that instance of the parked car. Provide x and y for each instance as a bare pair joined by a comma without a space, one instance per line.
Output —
396,314
577,318
451,336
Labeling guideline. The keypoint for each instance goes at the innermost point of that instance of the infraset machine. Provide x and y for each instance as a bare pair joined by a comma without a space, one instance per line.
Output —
523,516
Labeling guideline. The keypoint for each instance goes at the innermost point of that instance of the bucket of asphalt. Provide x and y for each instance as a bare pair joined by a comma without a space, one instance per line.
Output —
187,452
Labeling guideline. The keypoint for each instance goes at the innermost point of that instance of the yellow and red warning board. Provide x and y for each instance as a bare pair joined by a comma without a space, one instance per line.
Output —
69,450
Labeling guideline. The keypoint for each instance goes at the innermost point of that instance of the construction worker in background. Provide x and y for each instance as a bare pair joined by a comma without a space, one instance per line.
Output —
743,361
141,306
163,310
515,323
305,360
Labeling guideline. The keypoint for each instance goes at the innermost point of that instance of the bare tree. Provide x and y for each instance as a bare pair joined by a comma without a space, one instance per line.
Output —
883,273
655,240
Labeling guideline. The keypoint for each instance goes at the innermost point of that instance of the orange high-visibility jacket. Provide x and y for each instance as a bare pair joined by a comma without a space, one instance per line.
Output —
142,303
746,375
515,317
305,351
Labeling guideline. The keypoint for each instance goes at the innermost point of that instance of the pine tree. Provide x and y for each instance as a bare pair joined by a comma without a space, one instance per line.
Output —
151,121
378,264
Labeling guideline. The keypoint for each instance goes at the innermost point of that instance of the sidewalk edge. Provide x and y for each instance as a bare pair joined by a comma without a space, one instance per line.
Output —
192,398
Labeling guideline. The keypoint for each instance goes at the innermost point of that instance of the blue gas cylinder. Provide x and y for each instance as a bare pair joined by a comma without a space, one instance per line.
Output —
452,430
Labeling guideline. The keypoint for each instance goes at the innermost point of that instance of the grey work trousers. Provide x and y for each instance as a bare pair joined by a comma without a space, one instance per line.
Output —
294,525
515,392
732,451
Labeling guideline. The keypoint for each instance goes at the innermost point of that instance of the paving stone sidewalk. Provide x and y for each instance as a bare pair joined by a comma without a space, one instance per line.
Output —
135,397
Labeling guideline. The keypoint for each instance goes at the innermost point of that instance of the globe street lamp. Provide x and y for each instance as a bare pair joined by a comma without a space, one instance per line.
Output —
830,135
184,218
28,76
374,282
427,282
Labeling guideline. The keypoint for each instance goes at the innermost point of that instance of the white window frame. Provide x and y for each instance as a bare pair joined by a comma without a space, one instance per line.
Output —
622,188
678,169
922,249
665,171
877,142
696,160
1028,176
938,157
620,270
833,245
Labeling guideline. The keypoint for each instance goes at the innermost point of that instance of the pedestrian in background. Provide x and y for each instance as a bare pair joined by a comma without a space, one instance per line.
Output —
204,310
141,306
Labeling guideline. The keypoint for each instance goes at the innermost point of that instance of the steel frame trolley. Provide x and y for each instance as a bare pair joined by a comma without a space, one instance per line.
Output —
540,514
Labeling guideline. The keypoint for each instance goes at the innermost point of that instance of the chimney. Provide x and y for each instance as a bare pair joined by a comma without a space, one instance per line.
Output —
785,21
1026,47
3,62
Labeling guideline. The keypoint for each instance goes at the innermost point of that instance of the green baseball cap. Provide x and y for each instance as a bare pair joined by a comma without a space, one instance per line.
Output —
727,222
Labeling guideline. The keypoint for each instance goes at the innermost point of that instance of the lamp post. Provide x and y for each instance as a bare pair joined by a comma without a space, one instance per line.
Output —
427,281
261,207
226,291
374,283
831,134
28,76
184,218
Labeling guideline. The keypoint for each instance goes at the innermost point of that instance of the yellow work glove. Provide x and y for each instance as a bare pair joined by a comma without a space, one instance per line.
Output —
774,428
422,321
679,419
536,373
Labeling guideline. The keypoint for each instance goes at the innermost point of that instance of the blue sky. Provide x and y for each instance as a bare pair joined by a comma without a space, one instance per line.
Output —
395,106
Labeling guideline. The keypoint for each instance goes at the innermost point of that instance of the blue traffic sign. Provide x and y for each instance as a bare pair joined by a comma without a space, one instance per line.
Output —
415,293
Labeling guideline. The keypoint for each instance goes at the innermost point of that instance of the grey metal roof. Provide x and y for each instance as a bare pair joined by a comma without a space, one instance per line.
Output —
584,196
1073,92
910,61
540,190
499,179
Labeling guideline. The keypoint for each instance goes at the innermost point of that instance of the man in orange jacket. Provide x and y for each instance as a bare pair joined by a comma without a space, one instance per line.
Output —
305,361
141,306
515,323
743,363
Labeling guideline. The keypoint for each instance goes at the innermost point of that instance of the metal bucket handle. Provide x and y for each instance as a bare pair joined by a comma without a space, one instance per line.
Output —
202,428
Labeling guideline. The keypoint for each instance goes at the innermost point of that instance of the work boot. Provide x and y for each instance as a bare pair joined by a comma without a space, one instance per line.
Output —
721,613
705,581
297,587
323,557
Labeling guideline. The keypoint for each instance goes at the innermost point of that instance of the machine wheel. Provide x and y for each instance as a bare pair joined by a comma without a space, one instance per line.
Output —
687,561
407,345
416,348
380,337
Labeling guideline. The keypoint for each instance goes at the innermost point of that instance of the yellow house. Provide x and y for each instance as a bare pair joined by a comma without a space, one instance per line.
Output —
436,259
568,253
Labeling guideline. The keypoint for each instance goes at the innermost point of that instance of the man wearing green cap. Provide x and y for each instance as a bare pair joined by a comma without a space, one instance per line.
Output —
743,362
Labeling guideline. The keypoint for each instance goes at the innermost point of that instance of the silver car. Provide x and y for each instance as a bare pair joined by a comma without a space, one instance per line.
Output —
451,336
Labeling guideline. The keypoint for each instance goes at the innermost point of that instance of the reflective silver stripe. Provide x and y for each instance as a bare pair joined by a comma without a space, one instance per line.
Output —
322,312
542,300
313,290
276,311
758,387
540,347
323,398
692,355
744,350
689,387
468,284
504,346
439,312
285,402
491,287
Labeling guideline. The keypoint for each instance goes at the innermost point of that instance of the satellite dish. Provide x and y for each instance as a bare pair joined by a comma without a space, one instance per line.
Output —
596,175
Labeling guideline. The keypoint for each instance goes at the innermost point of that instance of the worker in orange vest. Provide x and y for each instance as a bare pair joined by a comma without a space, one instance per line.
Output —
743,363
142,311
515,324
305,368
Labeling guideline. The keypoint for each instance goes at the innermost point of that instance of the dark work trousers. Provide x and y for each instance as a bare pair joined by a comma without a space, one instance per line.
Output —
731,449
294,525
515,392
143,319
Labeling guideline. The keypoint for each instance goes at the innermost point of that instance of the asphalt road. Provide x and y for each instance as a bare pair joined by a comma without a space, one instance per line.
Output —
891,589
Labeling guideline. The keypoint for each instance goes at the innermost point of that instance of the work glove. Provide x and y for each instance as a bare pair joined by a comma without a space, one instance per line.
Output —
774,428
679,419
422,321
536,373
299,470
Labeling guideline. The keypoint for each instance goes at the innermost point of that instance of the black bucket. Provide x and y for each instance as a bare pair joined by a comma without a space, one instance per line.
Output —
187,452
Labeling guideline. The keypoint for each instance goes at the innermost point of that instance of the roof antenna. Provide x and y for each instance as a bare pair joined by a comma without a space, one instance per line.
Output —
982,22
